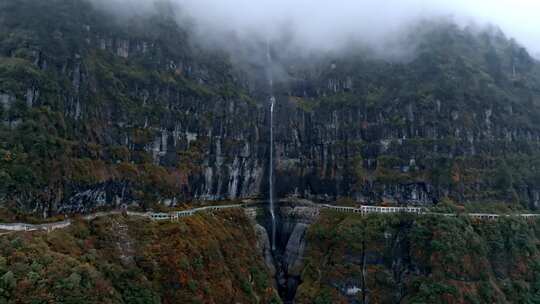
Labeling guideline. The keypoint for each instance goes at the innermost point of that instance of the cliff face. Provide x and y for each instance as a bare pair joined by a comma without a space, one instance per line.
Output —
97,112
100,113
454,120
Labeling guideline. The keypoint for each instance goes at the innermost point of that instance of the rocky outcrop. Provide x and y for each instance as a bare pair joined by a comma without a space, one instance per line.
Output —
263,241
109,194
293,223
265,248
294,251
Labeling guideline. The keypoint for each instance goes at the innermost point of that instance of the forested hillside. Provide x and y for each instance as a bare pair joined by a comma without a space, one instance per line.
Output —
401,259
204,259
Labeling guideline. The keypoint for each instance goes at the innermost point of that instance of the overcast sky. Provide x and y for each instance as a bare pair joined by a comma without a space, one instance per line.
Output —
331,21
325,23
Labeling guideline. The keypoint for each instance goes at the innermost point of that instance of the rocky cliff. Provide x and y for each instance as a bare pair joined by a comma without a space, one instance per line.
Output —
100,111
454,120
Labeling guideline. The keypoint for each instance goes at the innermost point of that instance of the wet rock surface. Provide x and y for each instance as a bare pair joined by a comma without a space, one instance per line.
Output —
287,260
139,119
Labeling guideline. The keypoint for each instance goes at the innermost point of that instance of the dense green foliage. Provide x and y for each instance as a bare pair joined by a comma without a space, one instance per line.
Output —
202,259
425,259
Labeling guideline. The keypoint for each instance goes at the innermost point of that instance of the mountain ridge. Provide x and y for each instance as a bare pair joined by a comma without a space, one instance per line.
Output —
97,114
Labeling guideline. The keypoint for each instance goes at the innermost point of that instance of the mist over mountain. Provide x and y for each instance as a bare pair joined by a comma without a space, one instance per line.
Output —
323,25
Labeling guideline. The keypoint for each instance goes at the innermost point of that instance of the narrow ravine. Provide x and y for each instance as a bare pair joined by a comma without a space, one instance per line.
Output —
286,284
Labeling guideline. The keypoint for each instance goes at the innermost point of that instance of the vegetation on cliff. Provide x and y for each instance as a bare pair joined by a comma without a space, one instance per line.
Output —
459,117
428,259
128,109
83,98
97,111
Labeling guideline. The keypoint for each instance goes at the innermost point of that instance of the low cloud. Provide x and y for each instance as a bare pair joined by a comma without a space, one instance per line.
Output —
329,25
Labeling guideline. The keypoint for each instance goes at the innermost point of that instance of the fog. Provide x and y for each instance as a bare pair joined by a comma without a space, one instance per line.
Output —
330,24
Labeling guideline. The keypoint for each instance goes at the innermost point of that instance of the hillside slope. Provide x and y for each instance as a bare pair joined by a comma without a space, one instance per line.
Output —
401,259
201,259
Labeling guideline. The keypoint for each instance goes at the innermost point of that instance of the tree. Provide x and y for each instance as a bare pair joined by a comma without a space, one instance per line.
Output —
8,281
503,177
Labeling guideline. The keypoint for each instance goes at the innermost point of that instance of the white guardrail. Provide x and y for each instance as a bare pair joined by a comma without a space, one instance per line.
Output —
179,214
151,215
420,210
12,227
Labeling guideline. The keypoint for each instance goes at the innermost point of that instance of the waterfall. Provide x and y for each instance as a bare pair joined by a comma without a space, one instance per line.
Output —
271,160
271,172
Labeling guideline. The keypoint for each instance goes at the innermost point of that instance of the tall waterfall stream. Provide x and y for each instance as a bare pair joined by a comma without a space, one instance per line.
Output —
278,234
271,160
